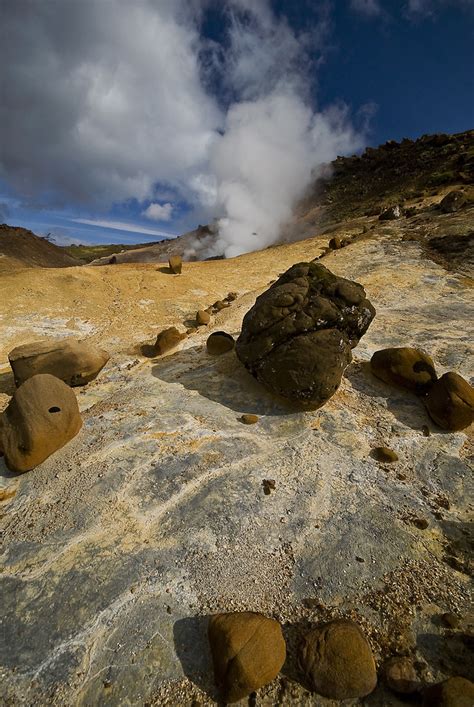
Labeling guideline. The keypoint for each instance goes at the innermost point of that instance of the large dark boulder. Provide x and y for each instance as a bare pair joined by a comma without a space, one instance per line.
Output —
297,338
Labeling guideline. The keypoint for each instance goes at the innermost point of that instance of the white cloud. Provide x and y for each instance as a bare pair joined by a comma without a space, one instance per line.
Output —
123,226
159,212
370,8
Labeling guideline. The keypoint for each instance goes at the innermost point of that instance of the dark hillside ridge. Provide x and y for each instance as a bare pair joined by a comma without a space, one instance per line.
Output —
22,248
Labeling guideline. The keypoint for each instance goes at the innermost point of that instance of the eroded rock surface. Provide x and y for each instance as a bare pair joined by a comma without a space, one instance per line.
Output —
297,338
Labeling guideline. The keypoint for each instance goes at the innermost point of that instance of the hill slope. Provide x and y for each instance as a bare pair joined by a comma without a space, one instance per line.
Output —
22,248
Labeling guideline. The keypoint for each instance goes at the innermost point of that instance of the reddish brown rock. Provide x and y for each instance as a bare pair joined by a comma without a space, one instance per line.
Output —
202,317
42,417
168,339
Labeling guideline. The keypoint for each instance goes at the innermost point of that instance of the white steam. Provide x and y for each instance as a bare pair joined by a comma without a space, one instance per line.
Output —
120,107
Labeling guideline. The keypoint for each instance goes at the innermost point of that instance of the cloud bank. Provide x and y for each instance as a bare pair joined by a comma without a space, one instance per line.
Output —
104,102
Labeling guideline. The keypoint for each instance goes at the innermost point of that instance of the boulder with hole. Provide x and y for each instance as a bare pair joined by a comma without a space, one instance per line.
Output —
248,650
74,362
405,367
42,416
337,661
297,338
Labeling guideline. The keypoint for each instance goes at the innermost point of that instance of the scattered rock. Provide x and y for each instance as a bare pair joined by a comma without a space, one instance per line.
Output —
269,485
168,339
406,367
297,338
203,317
420,523
426,431
220,304
338,662
450,620
390,214
453,692
450,402
248,651
231,296
454,201
74,362
220,342
335,243
42,416
384,454
175,263
249,419
401,676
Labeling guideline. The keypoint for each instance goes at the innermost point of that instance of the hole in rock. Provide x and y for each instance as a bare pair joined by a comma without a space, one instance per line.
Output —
54,409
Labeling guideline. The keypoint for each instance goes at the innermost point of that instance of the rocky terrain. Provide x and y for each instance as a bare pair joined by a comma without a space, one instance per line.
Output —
166,508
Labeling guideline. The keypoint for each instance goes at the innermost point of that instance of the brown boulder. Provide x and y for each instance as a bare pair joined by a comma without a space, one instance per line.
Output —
405,367
248,651
335,243
202,317
450,402
168,339
220,342
42,417
338,662
175,263
400,676
453,692
74,362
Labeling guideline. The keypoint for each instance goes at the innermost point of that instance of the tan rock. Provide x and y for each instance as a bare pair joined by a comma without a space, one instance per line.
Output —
75,362
249,419
401,676
450,402
175,263
405,367
42,417
203,317
338,662
453,692
220,342
168,339
220,304
248,651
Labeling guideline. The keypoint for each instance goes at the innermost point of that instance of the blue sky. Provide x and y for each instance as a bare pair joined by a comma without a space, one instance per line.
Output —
220,110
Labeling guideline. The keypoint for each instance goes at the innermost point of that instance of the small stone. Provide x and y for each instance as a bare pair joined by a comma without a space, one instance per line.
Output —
426,431
248,650
220,304
269,485
384,454
450,402
248,419
401,676
168,339
231,296
451,620
219,342
420,523
203,317
453,692
175,263
74,362
42,416
405,367
390,214
338,662
335,243
454,201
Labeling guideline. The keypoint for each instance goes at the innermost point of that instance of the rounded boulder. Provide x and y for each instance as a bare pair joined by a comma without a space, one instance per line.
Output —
405,367
220,342
450,402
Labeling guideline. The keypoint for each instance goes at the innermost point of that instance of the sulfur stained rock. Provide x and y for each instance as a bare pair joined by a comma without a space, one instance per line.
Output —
405,367
220,342
450,402
168,339
203,317
248,651
338,662
175,263
42,417
297,338
453,692
75,362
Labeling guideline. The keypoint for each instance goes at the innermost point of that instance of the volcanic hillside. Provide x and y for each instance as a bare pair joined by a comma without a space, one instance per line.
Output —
22,248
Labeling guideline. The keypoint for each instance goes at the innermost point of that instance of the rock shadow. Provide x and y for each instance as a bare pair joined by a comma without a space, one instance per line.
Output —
222,379
404,405
166,270
5,472
192,648
7,383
